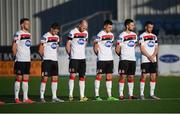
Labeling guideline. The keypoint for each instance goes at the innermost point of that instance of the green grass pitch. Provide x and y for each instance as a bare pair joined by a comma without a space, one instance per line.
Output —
168,89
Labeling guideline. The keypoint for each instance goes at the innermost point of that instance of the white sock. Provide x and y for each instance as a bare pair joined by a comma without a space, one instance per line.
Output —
97,85
152,88
109,87
82,87
142,85
25,89
42,89
71,87
130,88
16,89
54,89
121,89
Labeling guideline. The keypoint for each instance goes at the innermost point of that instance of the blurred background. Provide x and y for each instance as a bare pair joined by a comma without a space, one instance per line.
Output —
164,13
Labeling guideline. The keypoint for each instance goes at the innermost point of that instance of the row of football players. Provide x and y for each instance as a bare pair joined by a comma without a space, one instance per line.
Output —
75,47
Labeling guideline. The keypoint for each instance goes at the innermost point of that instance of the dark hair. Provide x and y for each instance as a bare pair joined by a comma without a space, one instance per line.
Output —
55,26
23,20
108,22
149,22
128,21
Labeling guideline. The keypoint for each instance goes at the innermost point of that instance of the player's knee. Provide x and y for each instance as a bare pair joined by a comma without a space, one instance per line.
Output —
54,79
108,77
18,78
82,78
98,77
131,79
72,76
44,79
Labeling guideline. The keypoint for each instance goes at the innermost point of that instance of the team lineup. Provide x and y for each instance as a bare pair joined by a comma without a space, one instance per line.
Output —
75,47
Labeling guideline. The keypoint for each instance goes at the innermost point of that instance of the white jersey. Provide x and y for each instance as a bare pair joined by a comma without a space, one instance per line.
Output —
78,43
23,41
50,43
127,41
149,41
105,42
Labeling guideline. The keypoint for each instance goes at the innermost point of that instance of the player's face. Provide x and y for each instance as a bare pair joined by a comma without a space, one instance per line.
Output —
131,26
26,25
54,31
108,28
83,26
149,28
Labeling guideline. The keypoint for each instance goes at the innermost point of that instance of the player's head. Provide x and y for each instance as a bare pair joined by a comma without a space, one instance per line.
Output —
25,23
129,24
54,29
149,26
83,25
108,25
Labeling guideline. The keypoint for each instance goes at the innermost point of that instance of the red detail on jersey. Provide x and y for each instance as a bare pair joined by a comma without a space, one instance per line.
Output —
107,36
52,38
25,36
148,37
80,35
130,37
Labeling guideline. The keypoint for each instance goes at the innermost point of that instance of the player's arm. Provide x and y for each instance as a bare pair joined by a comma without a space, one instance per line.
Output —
68,46
118,49
156,49
41,49
96,45
14,48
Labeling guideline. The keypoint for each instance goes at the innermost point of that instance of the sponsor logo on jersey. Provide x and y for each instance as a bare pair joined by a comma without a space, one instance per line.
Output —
28,43
169,58
131,43
53,45
81,41
151,43
108,44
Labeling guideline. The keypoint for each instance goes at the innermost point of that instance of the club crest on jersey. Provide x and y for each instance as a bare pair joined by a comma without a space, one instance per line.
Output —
131,43
28,43
108,44
151,43
53,45
81,41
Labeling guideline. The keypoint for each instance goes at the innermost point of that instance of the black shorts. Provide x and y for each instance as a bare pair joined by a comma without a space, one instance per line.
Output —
104,67
21,68
49,68
127,67
77,66
149,67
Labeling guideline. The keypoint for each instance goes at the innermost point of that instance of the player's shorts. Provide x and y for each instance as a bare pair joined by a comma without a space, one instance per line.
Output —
21,68
77,66
149,67
105,67
49,68
127,67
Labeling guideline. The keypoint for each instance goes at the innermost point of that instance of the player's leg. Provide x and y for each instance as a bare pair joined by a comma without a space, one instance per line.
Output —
97,81
131,73
82,71
44,80
45,67
144,71
17,82
73,65
25,85
122,76
153,76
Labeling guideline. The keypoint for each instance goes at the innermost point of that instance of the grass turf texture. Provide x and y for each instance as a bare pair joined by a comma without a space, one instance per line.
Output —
167,89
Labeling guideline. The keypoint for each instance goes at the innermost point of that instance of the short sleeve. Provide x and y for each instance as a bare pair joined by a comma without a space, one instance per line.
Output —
43,39
119,40
141,40
16,37
98,37
70,35
156,41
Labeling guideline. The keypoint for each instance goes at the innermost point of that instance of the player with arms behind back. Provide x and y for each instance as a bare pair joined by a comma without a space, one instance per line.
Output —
48,49
21,51
149,49
75,48
103,49
125,48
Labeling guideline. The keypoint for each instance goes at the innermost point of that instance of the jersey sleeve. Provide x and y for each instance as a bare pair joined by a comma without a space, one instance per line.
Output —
43,39
70,35
120,40
141,40
156,41
16,37
98,37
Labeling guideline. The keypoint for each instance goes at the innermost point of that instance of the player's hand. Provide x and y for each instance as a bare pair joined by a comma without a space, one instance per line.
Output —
152,59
